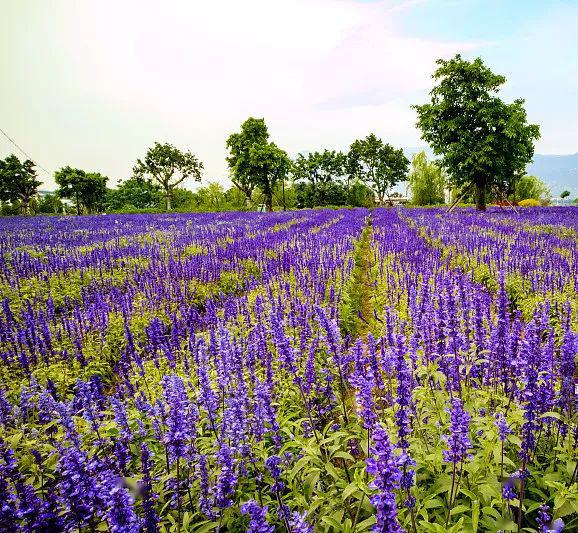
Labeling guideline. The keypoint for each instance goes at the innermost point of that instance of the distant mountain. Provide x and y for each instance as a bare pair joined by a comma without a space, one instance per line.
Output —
559,172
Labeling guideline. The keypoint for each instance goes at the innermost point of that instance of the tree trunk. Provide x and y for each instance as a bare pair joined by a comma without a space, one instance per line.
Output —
269,201
480,196
169,199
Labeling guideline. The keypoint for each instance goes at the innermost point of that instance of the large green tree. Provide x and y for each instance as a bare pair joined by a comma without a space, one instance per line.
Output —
18,182
426,181
320,167
253,132
482,141
167,166
86,189
377,164
256,163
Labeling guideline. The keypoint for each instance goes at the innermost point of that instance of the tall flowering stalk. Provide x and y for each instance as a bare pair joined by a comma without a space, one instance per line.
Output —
402,418
151,519
458,443
384,466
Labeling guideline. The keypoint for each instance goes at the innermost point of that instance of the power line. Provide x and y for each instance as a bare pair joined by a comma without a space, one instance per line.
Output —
22,150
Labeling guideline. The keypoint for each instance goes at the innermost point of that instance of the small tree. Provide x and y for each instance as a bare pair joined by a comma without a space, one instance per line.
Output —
139,193
18,182
50,204
531,187
482,140
379,165
86,189
564,194
168,167
253,132
426,181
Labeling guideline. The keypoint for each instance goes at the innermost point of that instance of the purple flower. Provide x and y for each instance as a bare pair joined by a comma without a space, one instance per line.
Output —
298,523
509,489
227,480
121,419
458,440
6,410
8,503
384,466
503,428
545,523
273,465
205,504
178,433
258,515
78,487
150,516
120,513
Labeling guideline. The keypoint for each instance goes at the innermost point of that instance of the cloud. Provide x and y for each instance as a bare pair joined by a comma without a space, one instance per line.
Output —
94,84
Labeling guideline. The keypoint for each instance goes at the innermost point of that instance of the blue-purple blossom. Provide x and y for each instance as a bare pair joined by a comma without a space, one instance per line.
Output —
458,440
384,466
258,516
227,480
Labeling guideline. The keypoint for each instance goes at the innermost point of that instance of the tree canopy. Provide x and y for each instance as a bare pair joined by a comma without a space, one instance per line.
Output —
531,187
253,132
482,140
255,162
86,189
426,181
138,193
320,167
168,167
18,182
377,164
270,166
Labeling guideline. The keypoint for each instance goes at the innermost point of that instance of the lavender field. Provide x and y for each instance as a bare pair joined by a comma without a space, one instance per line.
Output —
317,370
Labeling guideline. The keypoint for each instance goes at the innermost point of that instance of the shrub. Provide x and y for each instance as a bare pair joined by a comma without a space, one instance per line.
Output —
529,202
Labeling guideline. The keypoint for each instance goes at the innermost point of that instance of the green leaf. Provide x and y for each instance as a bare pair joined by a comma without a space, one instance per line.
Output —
344,455
309,484
475,515
366,524
205,527
331,522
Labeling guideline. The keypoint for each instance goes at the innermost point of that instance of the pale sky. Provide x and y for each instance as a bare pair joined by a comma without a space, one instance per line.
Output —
93,83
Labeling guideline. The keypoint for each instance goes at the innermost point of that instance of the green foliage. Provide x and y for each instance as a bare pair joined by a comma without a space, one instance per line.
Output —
167,166
355,308
270,165
531,187
321,194
377,164
134,193
255,162
564,194
482,140
253,131
320,167
50,204
427,181
86,189
18,183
